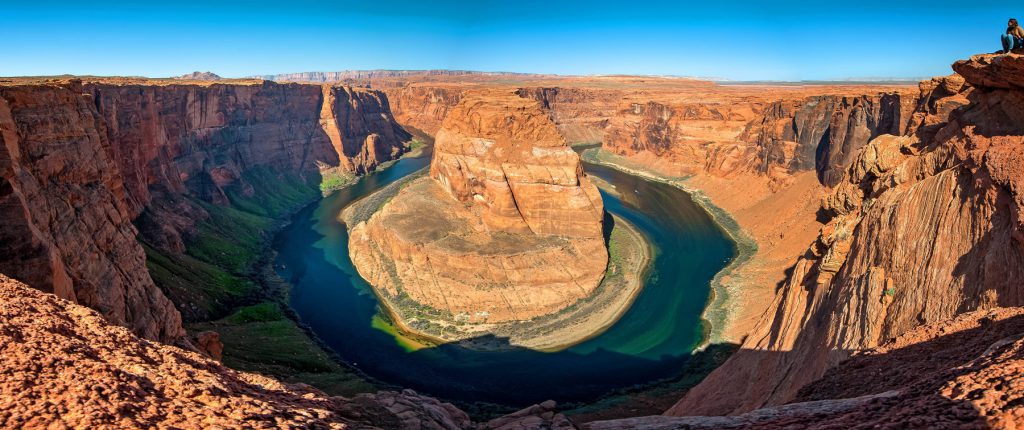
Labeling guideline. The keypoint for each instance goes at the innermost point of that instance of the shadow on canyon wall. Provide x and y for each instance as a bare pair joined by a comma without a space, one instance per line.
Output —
961,373
938,377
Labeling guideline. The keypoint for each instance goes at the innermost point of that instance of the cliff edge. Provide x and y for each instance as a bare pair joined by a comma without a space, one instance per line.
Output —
922,227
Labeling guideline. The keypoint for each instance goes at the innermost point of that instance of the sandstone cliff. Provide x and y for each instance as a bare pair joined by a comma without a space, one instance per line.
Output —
505,154
80,162
506,228
823,133
67,221
778,139
424,107
922,227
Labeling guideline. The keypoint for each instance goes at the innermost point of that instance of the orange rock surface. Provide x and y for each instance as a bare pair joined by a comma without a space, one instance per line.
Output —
66,366
79,162
921,228
506,228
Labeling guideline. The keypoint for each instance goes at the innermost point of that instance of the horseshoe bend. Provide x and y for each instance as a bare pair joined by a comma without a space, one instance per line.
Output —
592,240
505,229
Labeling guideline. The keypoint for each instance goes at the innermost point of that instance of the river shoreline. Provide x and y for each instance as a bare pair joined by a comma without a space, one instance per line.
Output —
719,310
618,399
582,321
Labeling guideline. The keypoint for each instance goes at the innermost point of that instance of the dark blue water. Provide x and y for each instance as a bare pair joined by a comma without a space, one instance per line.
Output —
653,340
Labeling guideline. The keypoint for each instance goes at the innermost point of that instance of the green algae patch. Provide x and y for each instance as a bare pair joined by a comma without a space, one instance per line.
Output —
261,338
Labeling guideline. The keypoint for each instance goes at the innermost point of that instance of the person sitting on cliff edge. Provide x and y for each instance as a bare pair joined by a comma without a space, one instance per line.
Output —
1013,38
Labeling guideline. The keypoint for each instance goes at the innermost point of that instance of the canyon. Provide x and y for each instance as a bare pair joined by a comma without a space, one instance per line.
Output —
505,228
878,279
81,161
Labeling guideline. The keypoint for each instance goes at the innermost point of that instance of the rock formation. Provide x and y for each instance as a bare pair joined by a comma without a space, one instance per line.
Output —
922,227
957,374
66,366
506,228
80,162
823,133
67,222
199,76
505,154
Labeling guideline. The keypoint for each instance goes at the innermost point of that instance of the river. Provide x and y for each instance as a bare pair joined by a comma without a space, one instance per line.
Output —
652,340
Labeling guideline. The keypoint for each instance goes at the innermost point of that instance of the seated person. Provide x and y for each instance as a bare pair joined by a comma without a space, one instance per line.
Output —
1014,37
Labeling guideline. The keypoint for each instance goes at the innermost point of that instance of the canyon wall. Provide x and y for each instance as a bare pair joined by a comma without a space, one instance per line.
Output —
580,114
920,228
82,161
423,107
778,139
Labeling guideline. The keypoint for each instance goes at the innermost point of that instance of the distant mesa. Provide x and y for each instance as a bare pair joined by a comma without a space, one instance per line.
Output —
199,76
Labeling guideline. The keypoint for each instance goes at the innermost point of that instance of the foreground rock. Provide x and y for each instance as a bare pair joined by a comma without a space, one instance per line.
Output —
506,228
958,374
65,366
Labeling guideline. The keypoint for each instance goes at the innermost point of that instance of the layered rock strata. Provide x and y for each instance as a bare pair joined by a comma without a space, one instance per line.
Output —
777,139
922,227
507,227
80,162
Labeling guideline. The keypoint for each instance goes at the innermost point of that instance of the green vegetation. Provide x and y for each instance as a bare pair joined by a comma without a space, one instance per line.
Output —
655,397
273,195
207,288
261,338
230,238
263,312
335,179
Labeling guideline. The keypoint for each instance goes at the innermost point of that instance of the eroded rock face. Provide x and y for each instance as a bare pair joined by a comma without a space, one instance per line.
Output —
200,139
424,107
923,227
506,228
505,155
778,139
823,133
959,373
66,223
81,162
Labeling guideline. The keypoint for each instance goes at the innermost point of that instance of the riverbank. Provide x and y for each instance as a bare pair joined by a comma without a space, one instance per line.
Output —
768,226
258,329
420,326
720,310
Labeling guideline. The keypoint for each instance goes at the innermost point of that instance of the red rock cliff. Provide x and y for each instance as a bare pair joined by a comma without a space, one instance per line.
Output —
80,162
922,227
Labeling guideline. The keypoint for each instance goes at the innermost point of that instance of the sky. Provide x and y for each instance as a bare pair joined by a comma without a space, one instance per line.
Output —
736,40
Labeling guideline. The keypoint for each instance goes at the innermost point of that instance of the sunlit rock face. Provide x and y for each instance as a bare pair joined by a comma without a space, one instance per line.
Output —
505,155
921,227
507,227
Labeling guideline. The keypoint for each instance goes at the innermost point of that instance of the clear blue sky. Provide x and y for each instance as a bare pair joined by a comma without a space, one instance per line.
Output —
742,40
